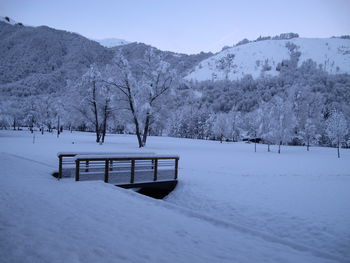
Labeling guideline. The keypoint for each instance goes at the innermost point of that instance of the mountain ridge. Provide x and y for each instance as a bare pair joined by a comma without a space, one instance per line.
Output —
46,58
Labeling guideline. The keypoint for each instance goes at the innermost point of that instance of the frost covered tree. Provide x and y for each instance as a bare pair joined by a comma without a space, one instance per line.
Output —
222,127
94,101
190,122
14,112
309,132
336,129
253,125
307,107
266,119
283,121
31,113
260,124
141,87
46,112
199,126
235,120
5,117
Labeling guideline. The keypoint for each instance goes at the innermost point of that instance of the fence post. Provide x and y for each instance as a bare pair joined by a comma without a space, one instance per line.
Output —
77,168
106,171
132,177
155,170
176,167
59,167
87,166
111,167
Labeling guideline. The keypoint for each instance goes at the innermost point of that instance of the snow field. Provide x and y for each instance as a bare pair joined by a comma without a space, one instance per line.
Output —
246,206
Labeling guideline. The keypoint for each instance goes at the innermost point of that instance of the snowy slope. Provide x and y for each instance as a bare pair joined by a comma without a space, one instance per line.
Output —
112,42
48,221
231,204
333,54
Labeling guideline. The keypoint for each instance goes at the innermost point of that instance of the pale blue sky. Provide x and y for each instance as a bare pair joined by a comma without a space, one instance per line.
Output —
185,26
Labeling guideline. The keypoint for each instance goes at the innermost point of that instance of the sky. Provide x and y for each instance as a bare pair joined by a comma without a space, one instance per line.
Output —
185,26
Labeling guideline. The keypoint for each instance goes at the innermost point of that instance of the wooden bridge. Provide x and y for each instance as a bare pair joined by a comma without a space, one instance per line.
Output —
127,170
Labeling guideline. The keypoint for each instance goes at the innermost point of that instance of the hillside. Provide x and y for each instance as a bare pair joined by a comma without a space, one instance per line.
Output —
263,57
182,63
41,59
37,60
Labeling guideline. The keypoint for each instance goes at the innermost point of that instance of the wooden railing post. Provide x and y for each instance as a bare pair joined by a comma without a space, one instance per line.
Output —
111,165
155,176
176,167
87,166
106,170
77,170
132,176
59,167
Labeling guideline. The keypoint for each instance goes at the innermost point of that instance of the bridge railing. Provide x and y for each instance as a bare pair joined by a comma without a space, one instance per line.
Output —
124,169
66,160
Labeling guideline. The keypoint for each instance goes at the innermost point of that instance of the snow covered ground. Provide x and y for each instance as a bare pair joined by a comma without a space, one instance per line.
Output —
231,204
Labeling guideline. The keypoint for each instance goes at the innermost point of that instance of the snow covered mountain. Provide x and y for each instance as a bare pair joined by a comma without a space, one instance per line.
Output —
40,59
37,60
112,42
263,57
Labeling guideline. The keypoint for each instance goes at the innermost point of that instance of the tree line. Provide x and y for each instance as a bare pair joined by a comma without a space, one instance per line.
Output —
303,105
